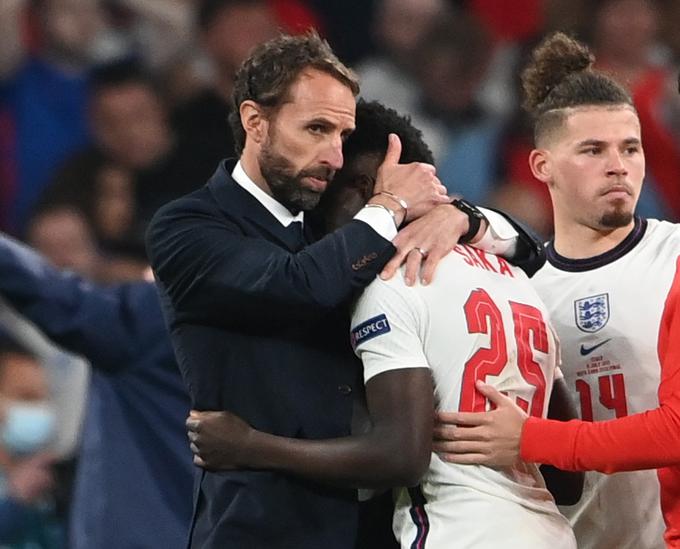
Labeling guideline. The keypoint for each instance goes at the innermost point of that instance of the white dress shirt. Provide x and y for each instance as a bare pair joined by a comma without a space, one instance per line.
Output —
379,220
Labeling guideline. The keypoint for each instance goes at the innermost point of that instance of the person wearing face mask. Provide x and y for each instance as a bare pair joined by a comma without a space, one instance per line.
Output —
27,428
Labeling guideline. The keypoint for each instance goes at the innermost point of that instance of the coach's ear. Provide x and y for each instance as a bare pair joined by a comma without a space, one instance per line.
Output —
539,162
254,121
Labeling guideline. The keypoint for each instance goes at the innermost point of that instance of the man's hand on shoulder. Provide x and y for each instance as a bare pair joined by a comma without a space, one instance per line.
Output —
425,241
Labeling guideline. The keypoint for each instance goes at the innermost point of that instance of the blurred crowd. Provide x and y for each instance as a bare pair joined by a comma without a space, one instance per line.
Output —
110,108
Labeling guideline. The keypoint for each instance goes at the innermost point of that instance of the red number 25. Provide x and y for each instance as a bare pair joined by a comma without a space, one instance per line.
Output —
484,317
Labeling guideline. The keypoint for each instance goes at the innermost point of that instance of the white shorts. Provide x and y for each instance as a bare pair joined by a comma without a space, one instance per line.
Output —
469,519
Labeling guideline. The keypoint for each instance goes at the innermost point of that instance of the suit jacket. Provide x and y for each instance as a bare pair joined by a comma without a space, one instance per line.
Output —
259,329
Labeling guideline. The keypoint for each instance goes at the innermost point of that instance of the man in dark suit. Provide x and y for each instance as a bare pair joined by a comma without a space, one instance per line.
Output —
254,302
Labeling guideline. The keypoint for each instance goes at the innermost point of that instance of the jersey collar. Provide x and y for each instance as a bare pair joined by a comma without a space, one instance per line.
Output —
579,265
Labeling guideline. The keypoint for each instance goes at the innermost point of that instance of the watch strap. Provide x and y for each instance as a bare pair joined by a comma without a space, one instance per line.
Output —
475,217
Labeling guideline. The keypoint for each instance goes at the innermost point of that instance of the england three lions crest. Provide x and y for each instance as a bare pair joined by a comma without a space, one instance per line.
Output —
592,313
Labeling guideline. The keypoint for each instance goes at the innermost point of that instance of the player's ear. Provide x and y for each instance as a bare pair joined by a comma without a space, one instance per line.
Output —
540,164
254,120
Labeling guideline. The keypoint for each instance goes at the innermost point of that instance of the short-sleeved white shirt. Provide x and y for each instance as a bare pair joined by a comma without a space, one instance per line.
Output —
607,311
479,319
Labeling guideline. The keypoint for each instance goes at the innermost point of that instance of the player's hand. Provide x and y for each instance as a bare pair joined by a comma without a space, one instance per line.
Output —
485,438
218,440
425,241
415,183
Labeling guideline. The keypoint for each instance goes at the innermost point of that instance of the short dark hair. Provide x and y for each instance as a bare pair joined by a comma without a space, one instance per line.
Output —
374,123
561,76
267,75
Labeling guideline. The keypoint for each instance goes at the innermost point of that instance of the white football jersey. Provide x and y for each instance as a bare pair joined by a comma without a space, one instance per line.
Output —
480,319
607,313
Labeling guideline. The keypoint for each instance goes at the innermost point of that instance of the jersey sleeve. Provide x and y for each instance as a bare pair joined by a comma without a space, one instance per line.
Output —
648,440
388,321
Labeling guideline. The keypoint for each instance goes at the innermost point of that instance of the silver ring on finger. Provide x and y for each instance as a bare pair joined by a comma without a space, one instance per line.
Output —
421,251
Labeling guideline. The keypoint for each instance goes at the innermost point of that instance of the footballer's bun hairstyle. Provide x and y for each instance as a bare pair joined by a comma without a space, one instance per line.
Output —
557,60
561,76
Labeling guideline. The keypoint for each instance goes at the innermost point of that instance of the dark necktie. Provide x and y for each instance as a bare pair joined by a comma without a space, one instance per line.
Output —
296,237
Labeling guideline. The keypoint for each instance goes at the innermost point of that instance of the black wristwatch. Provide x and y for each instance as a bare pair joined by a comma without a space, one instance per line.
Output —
475,218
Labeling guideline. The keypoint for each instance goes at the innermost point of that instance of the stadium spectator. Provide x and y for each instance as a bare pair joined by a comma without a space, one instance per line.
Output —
63,236
135,157
43,96
636,63
27,427
228,29
669,19
517,191
452,59
398,26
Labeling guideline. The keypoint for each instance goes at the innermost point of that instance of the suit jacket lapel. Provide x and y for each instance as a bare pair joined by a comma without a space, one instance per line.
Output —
234,200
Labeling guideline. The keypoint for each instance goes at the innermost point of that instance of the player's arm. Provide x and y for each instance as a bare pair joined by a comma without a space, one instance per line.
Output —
512,240
565,486
210,270
648,440
446,225
102,324
394,452
493,438
213,273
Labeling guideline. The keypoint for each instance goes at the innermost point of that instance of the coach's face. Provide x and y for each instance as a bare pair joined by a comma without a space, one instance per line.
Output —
302,145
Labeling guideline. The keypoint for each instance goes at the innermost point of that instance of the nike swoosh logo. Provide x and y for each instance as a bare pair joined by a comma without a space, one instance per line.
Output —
587,350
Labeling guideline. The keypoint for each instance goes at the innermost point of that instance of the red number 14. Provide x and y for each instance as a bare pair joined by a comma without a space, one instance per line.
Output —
612,390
